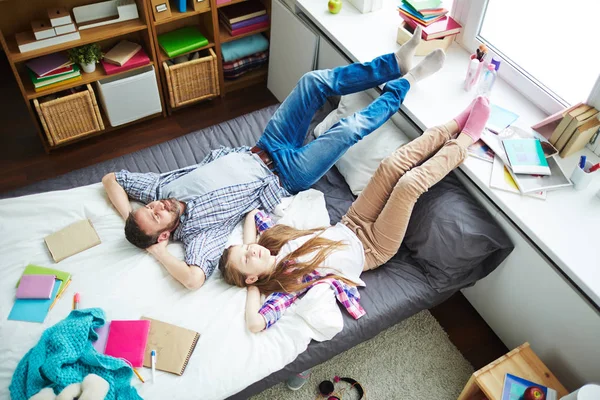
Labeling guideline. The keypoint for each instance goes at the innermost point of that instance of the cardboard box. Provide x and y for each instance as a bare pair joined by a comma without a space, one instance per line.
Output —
426,46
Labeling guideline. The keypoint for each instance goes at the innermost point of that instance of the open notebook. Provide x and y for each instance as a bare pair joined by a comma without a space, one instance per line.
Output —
174,346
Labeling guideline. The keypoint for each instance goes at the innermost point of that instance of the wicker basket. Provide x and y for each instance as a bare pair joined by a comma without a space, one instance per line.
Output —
192,81
70,117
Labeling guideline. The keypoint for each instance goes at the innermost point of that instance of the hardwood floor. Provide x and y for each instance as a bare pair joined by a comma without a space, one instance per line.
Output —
23,161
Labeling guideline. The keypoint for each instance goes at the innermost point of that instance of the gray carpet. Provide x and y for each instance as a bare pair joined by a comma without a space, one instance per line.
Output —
412,360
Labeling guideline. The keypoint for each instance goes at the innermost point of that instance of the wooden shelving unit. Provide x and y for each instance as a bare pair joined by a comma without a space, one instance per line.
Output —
16,16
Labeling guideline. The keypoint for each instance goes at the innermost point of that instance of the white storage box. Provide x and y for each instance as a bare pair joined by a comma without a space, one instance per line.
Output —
130,96
367,6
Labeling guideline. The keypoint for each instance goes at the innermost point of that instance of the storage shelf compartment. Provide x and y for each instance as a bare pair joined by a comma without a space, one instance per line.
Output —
87,36
230,3
177,15
226,37
250,78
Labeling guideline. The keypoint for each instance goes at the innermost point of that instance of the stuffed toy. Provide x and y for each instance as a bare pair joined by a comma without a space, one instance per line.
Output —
93,387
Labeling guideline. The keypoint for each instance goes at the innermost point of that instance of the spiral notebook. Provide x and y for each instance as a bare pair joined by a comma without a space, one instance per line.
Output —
174,346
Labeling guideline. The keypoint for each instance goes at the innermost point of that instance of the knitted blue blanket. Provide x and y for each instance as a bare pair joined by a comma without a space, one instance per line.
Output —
65,355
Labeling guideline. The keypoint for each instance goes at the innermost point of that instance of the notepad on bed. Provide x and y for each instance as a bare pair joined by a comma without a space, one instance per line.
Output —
127,339
174,346
71,240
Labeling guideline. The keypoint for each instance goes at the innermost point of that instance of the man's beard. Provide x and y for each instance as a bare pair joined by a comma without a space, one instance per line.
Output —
173,207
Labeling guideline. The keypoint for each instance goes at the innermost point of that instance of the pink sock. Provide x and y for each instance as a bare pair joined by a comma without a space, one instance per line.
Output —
478,118
461,119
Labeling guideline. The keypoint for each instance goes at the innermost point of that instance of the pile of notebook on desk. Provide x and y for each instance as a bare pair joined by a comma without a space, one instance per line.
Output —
241,18
51,71
431,16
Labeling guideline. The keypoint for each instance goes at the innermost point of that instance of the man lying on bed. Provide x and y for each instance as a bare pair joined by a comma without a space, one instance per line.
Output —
200,205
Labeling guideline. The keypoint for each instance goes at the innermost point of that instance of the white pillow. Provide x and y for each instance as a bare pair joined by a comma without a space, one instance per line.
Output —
361,160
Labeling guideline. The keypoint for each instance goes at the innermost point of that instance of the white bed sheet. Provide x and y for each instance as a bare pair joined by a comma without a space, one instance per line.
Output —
127,283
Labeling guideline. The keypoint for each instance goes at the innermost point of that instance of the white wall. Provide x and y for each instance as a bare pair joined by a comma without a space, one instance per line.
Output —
525,299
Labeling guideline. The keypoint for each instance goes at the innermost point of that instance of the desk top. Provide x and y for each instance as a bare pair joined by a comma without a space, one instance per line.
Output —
563,226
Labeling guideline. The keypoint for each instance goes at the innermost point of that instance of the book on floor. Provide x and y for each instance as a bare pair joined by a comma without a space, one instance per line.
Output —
526,156
127,340
121,53
243,11
181,41
72,239
174,346
514,388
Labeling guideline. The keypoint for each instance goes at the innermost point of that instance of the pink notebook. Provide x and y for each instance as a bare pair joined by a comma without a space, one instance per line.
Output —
139,59
35,286
127,339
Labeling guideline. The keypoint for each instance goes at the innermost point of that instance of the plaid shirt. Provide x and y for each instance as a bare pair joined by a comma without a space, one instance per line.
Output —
276,303
208,219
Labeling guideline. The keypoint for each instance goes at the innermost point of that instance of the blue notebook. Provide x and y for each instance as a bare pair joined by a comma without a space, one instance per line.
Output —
500,119
33,310
526,156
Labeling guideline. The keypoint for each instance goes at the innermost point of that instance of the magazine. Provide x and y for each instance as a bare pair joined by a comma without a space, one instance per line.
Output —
482,151
515,387
503,180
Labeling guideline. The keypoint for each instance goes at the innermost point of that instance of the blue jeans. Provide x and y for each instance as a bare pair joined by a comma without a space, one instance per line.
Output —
299,167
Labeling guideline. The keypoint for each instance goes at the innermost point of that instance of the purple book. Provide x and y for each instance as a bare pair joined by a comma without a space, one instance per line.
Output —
100,344
35,287
251,21
46,64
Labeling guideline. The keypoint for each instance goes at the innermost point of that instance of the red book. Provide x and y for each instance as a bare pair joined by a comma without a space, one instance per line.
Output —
127,339
58,71
250,28
139,59
445,27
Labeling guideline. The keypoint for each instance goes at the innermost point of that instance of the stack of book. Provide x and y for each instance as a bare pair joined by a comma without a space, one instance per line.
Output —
52,70
123,57
577,126
433,19
241,18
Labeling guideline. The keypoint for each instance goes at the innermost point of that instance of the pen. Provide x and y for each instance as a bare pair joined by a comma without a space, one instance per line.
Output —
76,299
60,294
153,354
594,167
582,162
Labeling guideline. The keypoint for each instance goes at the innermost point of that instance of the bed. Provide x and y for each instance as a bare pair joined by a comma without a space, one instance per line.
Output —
406,285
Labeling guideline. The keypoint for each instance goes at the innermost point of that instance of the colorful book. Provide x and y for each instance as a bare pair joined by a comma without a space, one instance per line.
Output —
45,65
174,346
500,118
575,123
33,310
127,340
57,72
243,11
502,179
526,156
37,270
73,239
444,27
102,332
246,29
514,388
568,116
54,85
420,5
181,41
582,136
121,53
407,16
430,14
138,60
50,79
251,21
36,287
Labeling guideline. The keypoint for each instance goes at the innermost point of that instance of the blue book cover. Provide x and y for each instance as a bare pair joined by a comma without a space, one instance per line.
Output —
181,5
500,119
515,387
33,310
416,13
526,156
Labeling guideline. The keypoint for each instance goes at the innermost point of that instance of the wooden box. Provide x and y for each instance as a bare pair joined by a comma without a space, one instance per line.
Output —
160,9
199,5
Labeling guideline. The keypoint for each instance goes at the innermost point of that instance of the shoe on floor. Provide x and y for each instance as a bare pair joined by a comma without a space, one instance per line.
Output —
295,382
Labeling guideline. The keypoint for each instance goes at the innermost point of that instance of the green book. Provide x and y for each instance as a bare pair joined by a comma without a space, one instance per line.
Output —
49,80
181,41
424,4
37,270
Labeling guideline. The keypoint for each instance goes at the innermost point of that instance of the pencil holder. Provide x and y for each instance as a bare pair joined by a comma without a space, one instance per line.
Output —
580,177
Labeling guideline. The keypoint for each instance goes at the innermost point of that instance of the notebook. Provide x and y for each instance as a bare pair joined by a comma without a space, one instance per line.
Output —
139,59
33,310
181,41
526,156
102,332
173,345
71,240
127,339
37,270
122,53
47,64
36,287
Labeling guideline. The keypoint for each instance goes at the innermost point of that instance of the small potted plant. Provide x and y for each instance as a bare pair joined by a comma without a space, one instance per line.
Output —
87,56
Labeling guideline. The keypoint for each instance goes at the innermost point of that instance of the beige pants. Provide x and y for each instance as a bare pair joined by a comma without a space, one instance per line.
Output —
380,215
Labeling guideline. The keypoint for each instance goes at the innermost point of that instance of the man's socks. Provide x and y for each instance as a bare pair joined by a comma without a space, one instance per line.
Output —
430,65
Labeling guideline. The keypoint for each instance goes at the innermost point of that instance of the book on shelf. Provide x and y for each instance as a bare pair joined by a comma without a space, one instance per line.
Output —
243,24
54,85
26,40
582,136
514,388
50,64
247,29
407,14
50,79
575,123
122,52
242,11
568,116
446,26
139,59
526,156
180,41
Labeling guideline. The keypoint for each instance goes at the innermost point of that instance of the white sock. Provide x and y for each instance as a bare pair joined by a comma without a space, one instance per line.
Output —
431,64
407,51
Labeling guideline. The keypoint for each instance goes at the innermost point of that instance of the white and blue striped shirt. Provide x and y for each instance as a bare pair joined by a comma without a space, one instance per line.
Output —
209,218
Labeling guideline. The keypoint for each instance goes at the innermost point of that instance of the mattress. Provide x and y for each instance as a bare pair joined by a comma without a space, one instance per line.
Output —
393,292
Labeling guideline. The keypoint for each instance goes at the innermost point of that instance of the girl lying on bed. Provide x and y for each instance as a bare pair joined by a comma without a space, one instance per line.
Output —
285,262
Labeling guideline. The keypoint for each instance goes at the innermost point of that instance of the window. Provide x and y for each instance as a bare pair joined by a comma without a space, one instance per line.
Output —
546,54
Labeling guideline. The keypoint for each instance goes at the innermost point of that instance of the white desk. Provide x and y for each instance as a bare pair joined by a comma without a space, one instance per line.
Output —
564,226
